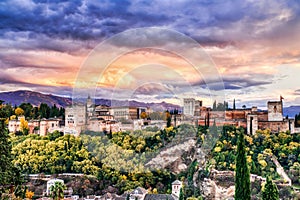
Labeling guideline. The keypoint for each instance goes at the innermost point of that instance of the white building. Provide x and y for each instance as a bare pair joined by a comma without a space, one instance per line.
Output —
176,186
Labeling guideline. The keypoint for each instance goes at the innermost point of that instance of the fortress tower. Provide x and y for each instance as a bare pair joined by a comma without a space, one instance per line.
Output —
275,110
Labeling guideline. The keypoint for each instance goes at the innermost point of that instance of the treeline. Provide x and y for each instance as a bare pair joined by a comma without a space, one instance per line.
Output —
30,111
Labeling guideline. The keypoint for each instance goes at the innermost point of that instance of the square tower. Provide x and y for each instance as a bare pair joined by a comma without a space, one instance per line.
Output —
275,111
188,106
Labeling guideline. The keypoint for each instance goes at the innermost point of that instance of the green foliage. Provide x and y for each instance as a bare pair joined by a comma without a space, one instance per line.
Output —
27,107
169,119
6,110
297,120
6,166
9,174
144,141
234,104
181,195
53,136
125,168
36,154
220,106
57,190
44,111
54,111
270,191
242,174
259,148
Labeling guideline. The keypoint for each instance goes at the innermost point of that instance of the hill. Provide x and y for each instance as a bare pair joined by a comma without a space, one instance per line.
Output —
36,98
291,111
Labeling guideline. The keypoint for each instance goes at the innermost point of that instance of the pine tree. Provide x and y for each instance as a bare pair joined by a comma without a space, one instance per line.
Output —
270,191
242,174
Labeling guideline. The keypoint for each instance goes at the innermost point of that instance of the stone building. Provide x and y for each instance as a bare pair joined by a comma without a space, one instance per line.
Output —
97,118
127,112
49,126
250,118
41,127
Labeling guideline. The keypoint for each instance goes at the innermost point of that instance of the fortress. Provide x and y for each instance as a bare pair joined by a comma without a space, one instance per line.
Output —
250,118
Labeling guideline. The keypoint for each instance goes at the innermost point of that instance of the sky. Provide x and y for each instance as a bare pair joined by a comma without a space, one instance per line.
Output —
153,50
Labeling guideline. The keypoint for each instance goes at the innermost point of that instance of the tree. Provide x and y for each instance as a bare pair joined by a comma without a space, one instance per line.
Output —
270,191
6,110
57,190
19,111
24,126
144,115
215,105
28,108
234,104
54,111
242,174
44,111
181,195
6,166
169,118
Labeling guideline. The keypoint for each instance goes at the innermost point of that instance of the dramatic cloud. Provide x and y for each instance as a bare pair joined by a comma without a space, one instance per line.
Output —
254,44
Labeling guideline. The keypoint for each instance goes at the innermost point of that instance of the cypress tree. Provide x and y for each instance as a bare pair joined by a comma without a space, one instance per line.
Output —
215,105
181,195
242,174
270,191
234,104
6,166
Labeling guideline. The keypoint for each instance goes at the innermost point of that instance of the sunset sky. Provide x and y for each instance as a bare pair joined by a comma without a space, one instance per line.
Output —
253,46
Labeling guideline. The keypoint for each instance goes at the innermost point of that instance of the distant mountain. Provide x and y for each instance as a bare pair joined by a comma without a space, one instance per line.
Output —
36,98
291,111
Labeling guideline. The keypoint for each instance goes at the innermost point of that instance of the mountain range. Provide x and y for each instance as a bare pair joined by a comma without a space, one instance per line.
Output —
36,98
